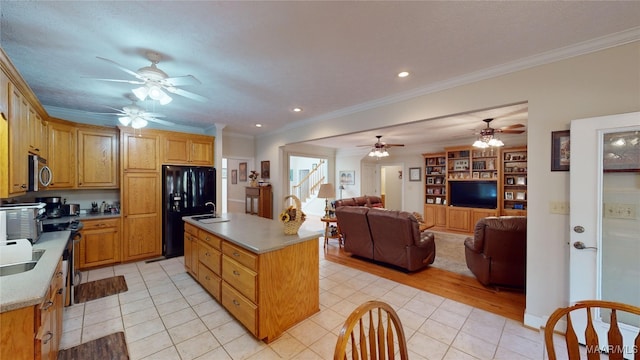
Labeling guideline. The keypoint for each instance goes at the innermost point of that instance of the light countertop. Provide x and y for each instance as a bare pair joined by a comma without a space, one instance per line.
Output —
256,234
30,287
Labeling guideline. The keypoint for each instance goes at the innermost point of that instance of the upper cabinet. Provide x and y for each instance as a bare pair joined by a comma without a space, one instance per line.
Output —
97,158
36,133
187,149
62,155
4,135
140,152
18,172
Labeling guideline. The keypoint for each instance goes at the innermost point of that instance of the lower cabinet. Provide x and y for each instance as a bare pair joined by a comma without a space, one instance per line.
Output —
268,292
100,243
435,215
34,332
465,219
191,249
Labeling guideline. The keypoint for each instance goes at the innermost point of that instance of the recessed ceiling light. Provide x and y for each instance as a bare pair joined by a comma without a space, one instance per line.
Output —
297,109
403,74
258,125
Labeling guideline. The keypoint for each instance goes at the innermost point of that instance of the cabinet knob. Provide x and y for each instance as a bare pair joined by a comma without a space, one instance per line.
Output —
47,337
236,273
235,302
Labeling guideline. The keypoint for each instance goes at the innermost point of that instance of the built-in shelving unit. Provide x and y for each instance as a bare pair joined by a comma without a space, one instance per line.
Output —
514,183
435,189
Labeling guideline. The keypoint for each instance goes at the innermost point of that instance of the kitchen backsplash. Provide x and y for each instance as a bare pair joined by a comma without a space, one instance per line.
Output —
82,197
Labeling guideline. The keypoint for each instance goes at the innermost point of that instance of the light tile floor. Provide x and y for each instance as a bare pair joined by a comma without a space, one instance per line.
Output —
165,314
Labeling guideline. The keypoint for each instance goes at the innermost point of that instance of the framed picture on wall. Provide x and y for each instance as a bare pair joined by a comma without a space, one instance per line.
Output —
265,169
234,176
347,177
242,169
560,150
415,174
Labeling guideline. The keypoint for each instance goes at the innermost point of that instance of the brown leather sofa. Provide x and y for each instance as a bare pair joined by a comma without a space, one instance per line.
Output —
365,200
497,252
388,236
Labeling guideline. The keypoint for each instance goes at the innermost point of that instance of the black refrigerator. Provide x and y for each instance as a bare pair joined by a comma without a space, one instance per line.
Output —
185,191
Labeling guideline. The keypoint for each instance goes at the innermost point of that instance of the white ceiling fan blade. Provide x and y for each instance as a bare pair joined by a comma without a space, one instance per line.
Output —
187,94
153,115
130,72
182,80
134,82
163,122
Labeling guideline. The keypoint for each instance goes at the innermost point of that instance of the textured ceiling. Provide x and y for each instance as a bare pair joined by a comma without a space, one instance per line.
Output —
258,60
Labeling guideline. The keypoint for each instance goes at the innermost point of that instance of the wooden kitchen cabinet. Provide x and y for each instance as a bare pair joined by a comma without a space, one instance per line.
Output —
140,152
142,217
36,133
435,215
97,158
100,243
187,149
62,155
191,249
4,135
34,332
18,171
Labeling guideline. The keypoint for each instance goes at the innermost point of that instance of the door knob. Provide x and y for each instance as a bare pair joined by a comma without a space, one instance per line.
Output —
581,246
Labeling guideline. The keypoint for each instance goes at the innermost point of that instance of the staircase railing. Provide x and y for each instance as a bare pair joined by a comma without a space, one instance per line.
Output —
314,179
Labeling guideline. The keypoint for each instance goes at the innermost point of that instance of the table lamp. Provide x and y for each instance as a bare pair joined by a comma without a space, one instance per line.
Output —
326,191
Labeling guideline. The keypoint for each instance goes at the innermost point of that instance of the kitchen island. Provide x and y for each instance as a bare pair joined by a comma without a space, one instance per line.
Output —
267,280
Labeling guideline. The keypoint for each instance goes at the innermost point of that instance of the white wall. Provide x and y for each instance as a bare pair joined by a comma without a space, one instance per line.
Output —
595,84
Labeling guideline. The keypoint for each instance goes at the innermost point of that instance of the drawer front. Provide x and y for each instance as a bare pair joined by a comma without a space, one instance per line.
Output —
99,224
240,255
209,257
188,228
240,307
210,281
241,278
210,239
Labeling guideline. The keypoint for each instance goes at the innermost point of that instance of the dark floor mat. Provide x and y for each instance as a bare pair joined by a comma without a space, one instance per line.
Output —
113,347
100,288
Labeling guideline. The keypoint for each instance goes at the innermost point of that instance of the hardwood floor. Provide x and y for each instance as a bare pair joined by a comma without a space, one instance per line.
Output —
464,289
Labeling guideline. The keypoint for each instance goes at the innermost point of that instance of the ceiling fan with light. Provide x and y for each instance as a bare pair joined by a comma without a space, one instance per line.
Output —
379,149
136,116
487,136
155,82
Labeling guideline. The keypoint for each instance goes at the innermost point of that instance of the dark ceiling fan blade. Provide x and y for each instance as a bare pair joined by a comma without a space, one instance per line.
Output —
182,80
187,94
390,145
130,72
514,126
510,131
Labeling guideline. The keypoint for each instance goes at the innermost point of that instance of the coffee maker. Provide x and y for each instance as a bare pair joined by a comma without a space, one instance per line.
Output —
53,206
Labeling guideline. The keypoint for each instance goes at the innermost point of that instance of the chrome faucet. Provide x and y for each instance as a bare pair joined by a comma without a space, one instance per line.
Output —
214,207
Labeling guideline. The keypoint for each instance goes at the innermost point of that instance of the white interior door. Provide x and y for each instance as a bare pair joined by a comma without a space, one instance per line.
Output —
605,218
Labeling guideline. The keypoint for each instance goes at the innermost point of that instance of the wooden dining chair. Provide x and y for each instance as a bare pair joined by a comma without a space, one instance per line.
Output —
614,339
372,331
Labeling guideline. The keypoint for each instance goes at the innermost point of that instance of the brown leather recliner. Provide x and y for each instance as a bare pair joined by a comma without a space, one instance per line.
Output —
354,227
387,236
397,239
497,253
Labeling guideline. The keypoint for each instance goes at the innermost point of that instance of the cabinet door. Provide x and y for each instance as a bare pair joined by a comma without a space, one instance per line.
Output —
142,218
458,219
97,159
478,214
176,150
4,135
62,155
202,152
140,152
430,215
18,172
441,216
100,244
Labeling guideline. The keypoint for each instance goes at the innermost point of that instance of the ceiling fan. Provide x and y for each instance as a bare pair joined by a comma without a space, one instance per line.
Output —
489,131
137,116
486,136
155,81
379,149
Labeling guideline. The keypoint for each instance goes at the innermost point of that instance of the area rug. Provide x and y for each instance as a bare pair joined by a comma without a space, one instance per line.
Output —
100,288
450,253
113,347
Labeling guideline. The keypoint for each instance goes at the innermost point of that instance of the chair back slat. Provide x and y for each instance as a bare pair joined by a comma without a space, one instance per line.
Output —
591,338
375,339
616,348
614,336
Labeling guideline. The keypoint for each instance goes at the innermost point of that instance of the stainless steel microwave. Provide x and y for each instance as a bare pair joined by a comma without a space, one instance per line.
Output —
40,174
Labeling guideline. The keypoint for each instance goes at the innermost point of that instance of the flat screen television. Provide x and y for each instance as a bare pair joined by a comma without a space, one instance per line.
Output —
475,194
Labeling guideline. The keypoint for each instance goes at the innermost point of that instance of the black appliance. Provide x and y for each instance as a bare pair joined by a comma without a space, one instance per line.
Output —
73,276
185,191
53,207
